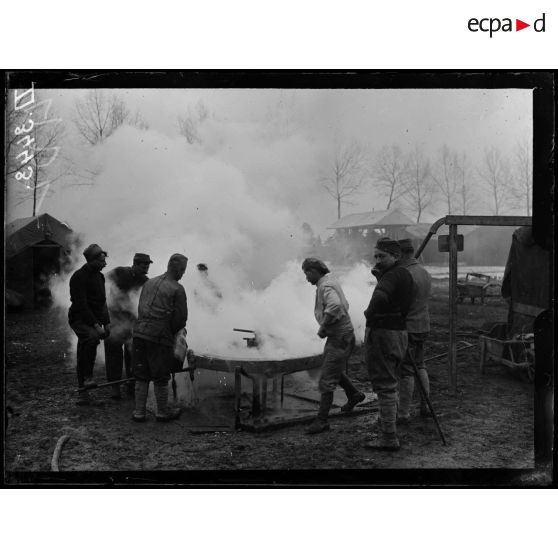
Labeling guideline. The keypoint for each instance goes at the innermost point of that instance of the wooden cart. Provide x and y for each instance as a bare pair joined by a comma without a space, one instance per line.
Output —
516,354
477,285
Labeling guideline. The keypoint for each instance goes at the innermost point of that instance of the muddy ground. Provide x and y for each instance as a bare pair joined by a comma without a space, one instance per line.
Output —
488,423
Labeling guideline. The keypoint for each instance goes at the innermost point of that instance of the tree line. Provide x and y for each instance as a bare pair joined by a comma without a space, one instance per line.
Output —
449,181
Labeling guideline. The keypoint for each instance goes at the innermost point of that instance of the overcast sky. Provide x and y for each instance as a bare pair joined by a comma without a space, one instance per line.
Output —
467,120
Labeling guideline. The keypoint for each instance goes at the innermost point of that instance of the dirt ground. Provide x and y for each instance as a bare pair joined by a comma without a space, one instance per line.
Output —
488,423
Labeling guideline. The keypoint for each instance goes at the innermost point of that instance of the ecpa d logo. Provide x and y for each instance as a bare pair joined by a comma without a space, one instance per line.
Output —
492,25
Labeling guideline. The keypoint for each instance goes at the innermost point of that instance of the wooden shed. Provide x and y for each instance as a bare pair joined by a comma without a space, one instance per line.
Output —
36,248
355,235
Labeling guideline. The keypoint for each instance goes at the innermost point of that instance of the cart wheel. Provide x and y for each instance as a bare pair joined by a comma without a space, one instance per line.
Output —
528,374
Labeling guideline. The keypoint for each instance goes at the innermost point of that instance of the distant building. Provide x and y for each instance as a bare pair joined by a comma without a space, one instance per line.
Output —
36,248
355,235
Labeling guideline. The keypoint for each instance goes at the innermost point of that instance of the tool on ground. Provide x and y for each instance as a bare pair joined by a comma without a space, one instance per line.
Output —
425,396
465,346
126,380
57,450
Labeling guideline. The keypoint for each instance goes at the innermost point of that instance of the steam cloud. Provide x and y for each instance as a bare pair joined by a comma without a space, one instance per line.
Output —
230,202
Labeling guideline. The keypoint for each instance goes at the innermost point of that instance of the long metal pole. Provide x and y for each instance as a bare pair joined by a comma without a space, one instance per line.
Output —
126,380
237,395
424,395
453,307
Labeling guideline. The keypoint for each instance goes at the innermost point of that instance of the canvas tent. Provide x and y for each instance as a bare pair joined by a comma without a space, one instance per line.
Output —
526,283
35,247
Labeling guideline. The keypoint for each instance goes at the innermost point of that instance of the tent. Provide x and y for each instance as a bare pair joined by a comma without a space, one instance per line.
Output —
526,282
34,250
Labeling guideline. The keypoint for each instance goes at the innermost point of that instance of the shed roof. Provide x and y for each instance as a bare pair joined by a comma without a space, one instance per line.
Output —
371,219
28,231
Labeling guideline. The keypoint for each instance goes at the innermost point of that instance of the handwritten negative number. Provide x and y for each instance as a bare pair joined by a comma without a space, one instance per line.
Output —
22,176
23,129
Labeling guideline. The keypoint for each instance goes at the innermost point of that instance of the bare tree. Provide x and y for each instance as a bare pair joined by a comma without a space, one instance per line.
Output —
34,135
464,186
280,119
99,114
445,176
523,175
189,122
137,120
496,177
388,172
419,186
345,176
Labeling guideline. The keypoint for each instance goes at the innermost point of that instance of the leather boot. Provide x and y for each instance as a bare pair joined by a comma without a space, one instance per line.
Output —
387,440
140,400
354,397
406,388
164,414
423,376
320,424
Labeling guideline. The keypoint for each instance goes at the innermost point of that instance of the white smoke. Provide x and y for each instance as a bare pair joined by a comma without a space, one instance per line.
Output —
234,202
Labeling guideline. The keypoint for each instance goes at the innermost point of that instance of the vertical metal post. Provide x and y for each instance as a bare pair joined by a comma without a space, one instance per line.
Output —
237,395
452,352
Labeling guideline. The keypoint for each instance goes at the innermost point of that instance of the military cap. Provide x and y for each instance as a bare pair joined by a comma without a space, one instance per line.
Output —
142,258
406,245
93,251
386,244
314,263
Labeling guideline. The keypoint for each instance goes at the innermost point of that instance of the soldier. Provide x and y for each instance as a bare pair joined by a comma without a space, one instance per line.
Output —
386,339
331,312
88,315
418,327
162,313
125,286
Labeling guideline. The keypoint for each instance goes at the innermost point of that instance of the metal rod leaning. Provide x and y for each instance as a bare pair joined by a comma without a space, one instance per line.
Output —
124,381
425,397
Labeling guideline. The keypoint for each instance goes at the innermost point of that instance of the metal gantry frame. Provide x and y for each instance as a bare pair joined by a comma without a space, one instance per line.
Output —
453,221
